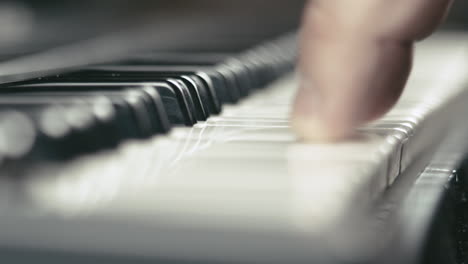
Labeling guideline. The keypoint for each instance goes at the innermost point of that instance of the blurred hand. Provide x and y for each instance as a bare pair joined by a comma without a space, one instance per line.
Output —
355,59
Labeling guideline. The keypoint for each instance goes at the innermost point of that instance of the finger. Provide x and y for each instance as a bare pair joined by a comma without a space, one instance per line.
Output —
355,60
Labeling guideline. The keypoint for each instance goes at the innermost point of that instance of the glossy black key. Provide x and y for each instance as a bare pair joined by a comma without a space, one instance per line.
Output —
80,112
35,132
60,131
134,104
202,62
199,84
236,82
173,103
184,97
167,105
184,86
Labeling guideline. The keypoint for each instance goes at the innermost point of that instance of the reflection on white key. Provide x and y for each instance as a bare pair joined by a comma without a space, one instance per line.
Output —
322,177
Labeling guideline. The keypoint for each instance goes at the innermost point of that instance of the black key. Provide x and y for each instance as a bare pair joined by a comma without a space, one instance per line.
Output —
263,71
184,86
167,105
201,80
232,91
240,78
198,93
94,116
253,69
199,84
140,111
224,85
32,128
200,62
133,104
18,134
42,133
161,117
177,114
60,131
184,98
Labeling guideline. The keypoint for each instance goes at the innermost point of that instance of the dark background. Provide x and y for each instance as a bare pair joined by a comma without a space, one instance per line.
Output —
458,17
96,31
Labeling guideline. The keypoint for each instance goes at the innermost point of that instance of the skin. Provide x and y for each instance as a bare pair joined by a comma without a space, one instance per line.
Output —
355,59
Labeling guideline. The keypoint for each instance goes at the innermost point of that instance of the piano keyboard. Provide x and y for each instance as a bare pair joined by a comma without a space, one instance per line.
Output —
191,157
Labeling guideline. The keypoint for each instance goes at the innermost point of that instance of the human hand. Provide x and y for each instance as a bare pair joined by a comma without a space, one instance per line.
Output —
355,59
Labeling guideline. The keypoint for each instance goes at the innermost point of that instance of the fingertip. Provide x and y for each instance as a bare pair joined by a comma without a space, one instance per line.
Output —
337,95
354,70
315,130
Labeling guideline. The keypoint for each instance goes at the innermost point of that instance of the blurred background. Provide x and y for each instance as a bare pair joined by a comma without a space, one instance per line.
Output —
91,31
458,18
69,34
